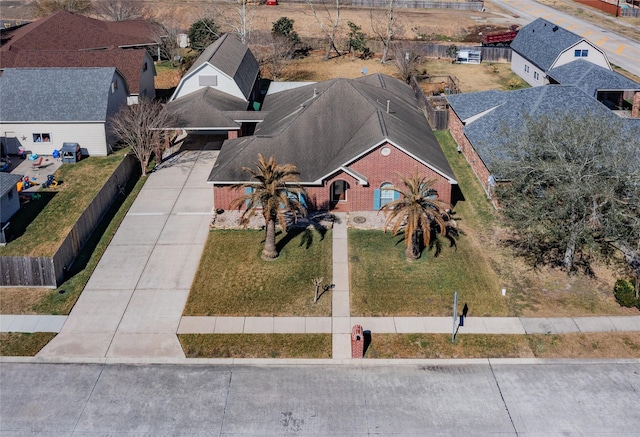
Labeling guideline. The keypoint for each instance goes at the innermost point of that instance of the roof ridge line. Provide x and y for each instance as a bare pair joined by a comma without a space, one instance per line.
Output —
383,125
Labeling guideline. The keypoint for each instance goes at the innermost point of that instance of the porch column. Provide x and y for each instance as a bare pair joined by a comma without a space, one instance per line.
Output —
635,109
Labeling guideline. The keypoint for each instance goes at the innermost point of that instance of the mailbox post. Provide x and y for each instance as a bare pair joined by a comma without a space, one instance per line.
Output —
357,342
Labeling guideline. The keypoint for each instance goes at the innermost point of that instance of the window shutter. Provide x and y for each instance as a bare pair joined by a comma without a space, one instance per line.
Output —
396,195
302,199
376,199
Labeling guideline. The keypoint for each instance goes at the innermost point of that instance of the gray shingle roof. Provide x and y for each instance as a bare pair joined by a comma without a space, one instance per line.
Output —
8,181
324,126
206,108
55,94
490,133
233,58
591,78
541,42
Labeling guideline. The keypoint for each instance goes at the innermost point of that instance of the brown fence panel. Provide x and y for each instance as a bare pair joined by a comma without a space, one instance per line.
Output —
408,4
36,271
610,8
489,54
49,271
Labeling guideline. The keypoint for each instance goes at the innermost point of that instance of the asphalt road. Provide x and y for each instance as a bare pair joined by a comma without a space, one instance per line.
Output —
620,50
568,398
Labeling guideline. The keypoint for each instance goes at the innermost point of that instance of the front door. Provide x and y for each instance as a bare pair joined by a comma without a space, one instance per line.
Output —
339,193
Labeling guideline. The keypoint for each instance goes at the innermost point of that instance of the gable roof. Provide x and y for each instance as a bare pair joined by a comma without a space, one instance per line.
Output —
489,133
64,30
233,58
326,126
128,62
541,42
591,78
55,94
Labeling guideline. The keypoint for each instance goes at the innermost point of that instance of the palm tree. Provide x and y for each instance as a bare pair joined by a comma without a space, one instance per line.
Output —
416,214
275,190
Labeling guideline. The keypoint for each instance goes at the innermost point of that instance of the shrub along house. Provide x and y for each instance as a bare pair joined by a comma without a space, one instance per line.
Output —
349,139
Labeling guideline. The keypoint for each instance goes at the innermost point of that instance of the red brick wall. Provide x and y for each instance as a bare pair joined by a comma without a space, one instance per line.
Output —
375,167
477,165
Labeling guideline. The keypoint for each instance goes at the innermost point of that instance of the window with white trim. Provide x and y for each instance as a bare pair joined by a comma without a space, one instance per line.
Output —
41,138
526,68
580,53
536,75
386,194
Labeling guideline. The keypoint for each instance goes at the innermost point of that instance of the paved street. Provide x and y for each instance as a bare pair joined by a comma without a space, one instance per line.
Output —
620,50
425,398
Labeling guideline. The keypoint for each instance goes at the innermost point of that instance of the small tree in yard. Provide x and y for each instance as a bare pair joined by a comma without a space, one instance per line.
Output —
203,33
357,40
406,61
417,214
283,42
573,189
140,128
274,190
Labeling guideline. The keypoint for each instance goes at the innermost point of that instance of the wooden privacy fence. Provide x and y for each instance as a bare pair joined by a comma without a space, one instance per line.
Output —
409,4
489,54
434,108
50,271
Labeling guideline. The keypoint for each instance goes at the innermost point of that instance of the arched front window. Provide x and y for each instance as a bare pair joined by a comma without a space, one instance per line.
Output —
386,193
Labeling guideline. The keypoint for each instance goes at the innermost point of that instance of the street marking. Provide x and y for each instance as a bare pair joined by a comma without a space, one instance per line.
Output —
573,26
601,41
587,33
620,49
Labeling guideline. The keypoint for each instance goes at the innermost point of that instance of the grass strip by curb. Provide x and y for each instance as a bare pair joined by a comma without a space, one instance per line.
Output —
256,345
15,344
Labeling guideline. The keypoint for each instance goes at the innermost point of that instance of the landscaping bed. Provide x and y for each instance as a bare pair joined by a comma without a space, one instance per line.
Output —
232,279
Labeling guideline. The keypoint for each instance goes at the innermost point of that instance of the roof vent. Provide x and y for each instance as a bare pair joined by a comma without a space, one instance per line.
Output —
555,28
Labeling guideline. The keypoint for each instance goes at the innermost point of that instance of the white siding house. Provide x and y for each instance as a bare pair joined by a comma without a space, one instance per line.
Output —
542,45
228,66
42,108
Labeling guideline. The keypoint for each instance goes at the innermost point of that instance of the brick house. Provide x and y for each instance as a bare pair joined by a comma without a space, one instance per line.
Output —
542,45
483,123
349,139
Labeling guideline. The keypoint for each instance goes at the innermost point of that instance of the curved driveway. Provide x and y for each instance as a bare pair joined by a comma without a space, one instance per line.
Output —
620,50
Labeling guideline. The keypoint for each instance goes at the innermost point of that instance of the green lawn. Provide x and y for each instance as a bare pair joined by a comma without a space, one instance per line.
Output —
80,182
383,283
232,279
256,345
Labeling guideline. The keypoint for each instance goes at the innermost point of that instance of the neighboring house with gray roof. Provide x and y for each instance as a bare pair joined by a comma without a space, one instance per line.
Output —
608,87
9,199
42,108
483,123
349,139
228,66
542,45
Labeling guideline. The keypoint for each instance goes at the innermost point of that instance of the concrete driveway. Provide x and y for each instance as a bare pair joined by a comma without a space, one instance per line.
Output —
131,306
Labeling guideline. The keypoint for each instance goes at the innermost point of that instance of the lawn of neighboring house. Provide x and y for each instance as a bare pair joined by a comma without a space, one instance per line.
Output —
232,279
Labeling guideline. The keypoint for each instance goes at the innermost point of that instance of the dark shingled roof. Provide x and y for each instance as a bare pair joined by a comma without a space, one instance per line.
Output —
129,62
490,133
541,44
67,31
327,125
591,78
8,181
206,108
55,94
233,58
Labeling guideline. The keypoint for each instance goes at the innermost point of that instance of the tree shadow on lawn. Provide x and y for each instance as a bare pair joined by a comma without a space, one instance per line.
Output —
307,236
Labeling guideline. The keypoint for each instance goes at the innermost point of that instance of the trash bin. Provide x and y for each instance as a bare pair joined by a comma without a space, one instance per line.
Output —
357,342
71,152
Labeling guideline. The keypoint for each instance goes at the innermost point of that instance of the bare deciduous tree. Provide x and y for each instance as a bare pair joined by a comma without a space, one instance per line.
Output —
329,22
122,10
385,26
573,190
42,8
406,61
239,19
140,127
